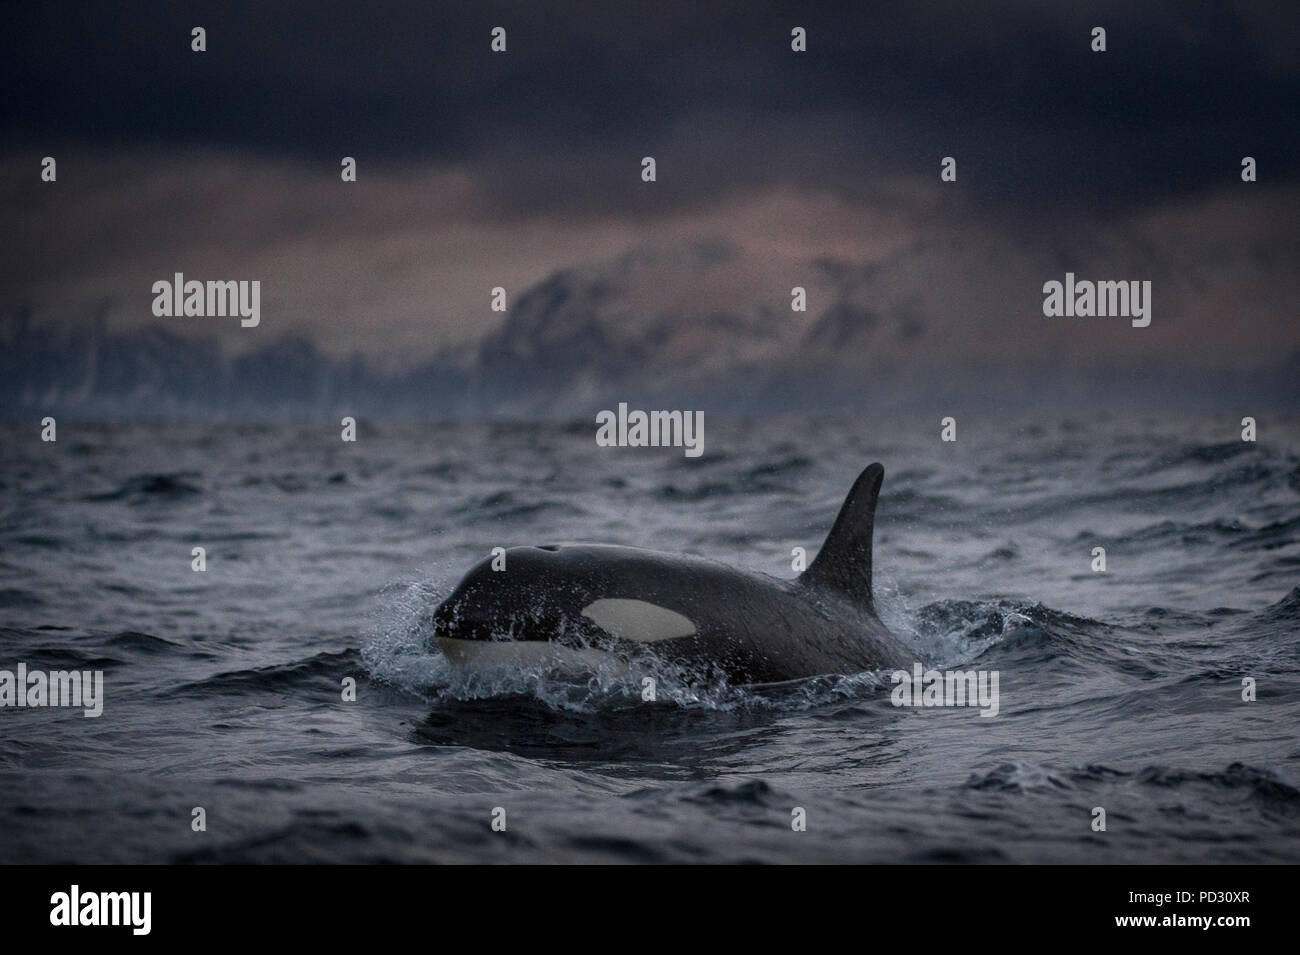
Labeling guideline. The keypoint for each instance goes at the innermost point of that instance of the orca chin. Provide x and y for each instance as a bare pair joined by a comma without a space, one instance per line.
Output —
601,606
529,654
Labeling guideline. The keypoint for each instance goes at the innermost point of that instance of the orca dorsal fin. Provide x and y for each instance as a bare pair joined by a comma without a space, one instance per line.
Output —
844,562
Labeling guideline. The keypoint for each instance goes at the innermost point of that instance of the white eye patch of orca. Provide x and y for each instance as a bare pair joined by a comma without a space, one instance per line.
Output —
637,620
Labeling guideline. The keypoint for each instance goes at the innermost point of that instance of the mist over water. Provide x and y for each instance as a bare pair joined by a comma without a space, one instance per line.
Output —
1119,690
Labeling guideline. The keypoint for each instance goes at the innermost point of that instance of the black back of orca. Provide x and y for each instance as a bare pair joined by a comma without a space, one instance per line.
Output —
692,611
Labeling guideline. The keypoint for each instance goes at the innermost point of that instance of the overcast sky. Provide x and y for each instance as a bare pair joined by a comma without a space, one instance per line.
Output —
478,169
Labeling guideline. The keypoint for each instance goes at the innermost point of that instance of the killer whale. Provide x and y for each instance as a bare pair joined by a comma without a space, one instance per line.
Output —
578,602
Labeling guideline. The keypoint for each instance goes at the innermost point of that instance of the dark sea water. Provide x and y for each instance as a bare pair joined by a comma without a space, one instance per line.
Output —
1119,690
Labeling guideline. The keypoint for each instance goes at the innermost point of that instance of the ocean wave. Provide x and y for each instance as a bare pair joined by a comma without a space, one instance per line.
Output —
321,669
150,487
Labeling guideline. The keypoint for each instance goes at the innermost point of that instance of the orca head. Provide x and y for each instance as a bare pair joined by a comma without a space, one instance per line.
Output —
529,594
561,597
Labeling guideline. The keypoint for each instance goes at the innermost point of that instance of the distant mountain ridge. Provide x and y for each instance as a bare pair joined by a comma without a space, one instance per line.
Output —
653,329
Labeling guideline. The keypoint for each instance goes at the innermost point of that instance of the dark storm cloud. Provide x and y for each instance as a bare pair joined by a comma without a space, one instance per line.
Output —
712,91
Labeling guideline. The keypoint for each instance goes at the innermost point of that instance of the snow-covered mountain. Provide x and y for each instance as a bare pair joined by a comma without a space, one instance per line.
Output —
931,328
